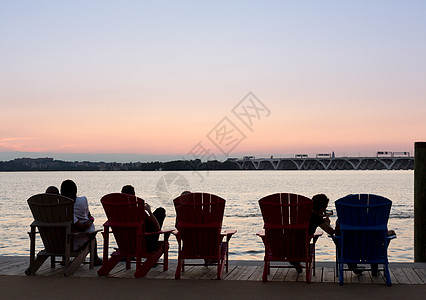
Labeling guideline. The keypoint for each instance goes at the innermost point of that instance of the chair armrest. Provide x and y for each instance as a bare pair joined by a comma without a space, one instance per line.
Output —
94,232
159,232
228,233
391,237
316,235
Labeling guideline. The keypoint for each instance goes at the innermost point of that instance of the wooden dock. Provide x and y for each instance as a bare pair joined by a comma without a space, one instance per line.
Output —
401,273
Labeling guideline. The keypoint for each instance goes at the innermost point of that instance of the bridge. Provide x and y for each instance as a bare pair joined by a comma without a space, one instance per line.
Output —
302,162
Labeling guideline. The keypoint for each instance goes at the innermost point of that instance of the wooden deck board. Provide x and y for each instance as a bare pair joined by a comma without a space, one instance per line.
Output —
257,275
412,276
328,275
399,275
421,273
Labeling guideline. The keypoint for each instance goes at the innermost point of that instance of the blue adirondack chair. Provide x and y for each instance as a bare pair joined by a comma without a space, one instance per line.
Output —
363,235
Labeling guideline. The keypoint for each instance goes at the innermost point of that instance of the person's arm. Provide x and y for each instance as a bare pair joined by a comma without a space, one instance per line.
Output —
152,218
83,226
326,226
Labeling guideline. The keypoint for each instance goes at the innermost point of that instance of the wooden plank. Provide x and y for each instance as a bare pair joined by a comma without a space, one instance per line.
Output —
272,273
154,272
200,271
318,275
392,276
328,275
365,277
400,276
257,275
350,277
212,274
235,273
90,273
412,276
188,270
14,268
421,273
379,279
292,275
169,274
280,275
247,273
119,269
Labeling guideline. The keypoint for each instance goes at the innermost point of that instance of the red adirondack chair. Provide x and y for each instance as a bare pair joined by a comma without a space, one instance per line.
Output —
286,223
126,219
199,222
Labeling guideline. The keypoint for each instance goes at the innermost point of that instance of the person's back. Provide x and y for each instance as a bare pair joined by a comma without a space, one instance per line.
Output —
153,220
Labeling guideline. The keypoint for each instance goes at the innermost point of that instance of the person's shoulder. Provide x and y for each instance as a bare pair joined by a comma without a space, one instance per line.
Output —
81,199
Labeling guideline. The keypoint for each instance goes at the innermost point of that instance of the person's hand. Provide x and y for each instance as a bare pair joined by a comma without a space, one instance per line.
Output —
327,220
147,208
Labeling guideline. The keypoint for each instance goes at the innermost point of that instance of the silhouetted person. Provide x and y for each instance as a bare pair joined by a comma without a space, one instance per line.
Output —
153,220
52,190
83,220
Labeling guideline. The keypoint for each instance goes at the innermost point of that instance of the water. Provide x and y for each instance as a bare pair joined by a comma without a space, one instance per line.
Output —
241,189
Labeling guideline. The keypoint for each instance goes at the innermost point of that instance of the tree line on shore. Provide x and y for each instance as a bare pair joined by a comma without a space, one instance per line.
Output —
50,164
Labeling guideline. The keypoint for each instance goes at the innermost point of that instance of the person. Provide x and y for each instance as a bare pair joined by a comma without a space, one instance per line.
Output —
83,220
52,190
318,218
153,220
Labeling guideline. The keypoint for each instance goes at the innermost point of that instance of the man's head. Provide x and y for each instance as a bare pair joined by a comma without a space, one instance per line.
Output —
69,189
52,190
320,202
128,189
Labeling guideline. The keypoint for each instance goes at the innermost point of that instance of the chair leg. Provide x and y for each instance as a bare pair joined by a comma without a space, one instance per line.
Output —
308,271
387,275
52,261
341,274
36,264
178,269
77,261
109,264
166,256
265,271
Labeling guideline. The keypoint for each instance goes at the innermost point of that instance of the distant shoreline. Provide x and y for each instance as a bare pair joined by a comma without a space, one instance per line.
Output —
288,164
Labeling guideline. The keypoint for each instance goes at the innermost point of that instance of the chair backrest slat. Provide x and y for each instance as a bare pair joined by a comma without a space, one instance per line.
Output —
126,215
199,221
363,221
286,218
51,209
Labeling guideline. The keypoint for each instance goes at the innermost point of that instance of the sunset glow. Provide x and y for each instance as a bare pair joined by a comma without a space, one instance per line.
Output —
156,78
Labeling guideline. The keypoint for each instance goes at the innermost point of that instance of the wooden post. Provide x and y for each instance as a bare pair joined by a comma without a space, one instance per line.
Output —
420,202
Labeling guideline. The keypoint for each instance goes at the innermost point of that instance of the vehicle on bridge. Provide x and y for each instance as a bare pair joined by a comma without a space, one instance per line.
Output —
323,155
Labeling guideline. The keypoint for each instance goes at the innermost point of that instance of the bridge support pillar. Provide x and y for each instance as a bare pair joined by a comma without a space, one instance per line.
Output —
420,202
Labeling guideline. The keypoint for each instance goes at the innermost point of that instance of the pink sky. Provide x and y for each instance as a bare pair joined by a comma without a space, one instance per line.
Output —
154,79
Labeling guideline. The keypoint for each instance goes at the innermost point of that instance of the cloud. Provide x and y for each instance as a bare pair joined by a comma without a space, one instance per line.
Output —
13,139
18,144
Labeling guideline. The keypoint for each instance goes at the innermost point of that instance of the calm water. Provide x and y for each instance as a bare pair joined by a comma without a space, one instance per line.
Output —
241,189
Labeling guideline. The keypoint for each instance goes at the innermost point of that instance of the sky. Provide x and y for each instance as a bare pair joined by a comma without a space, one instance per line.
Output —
160,80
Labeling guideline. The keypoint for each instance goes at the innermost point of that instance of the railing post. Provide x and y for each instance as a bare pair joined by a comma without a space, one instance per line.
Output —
420,202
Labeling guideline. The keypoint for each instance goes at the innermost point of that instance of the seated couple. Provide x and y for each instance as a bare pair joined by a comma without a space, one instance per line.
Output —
83,220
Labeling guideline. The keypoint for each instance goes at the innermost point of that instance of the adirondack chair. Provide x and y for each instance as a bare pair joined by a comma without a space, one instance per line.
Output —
126,220
286,222
53,217
199,222
363,235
